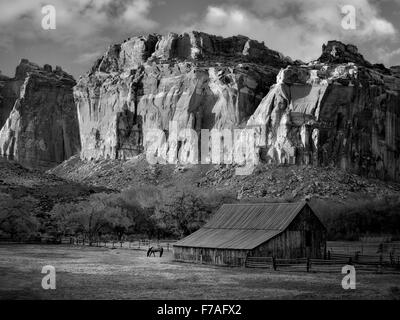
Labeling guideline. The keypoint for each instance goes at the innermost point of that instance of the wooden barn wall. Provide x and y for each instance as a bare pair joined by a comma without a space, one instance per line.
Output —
292,242
226,257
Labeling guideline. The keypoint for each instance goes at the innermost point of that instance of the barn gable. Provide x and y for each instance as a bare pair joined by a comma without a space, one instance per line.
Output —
243,226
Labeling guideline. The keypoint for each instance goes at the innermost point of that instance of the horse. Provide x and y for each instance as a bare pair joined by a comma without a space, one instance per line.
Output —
153,251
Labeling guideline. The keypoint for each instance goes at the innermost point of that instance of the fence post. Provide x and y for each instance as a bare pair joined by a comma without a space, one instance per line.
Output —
274,263
380,263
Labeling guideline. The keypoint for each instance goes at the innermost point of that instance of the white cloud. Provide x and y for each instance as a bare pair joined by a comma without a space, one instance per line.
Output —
389,56
380,26
80,23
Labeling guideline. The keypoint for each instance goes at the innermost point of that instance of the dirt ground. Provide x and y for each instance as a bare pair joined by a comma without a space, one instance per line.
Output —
100,273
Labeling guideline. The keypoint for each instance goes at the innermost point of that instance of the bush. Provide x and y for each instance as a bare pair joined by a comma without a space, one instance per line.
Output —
17,220
100,214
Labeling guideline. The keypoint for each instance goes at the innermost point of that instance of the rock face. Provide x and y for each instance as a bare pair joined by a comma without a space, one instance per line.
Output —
197,80
339,110
9,92
38,118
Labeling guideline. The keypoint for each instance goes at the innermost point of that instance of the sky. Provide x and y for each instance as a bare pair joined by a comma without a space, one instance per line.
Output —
296,28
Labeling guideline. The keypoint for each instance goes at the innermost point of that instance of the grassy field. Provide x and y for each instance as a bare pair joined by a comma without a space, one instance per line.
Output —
99,273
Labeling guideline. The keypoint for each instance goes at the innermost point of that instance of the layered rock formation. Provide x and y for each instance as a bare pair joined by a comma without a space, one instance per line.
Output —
196,80
339,110
38,118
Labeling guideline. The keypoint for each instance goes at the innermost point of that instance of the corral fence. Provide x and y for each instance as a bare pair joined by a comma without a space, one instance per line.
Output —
369,256
31,240
334,263
318,265
139,244
367,248
209,260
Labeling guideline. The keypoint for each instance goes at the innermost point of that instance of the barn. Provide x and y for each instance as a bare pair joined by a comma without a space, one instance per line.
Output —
237,231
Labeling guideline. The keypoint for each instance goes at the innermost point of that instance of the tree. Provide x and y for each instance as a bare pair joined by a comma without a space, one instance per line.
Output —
182,214
17,217
140,204
97,215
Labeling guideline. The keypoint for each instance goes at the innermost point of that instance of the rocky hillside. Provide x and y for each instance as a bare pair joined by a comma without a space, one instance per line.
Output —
267,183
339,110
41,190
38,118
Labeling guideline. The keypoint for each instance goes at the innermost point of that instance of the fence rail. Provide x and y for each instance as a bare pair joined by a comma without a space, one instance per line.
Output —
140,244
259,262
334,264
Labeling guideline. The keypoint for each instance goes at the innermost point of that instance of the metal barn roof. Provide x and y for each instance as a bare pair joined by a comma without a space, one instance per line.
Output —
243,226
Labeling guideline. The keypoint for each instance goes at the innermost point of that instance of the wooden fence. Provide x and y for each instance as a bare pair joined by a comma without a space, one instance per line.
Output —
140,244
206,259
364,248
334,264
259,262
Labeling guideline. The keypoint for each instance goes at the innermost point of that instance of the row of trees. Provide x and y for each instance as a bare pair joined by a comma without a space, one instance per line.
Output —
141,211
166,213
144,211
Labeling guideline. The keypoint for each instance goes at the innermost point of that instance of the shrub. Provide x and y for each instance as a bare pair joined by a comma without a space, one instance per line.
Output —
17,220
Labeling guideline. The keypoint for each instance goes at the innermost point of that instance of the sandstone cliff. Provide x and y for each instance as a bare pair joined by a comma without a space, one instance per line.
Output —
9,92
38,119
197,80
339,110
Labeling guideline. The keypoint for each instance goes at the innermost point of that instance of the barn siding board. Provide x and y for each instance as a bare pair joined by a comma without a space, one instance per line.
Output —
227,239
